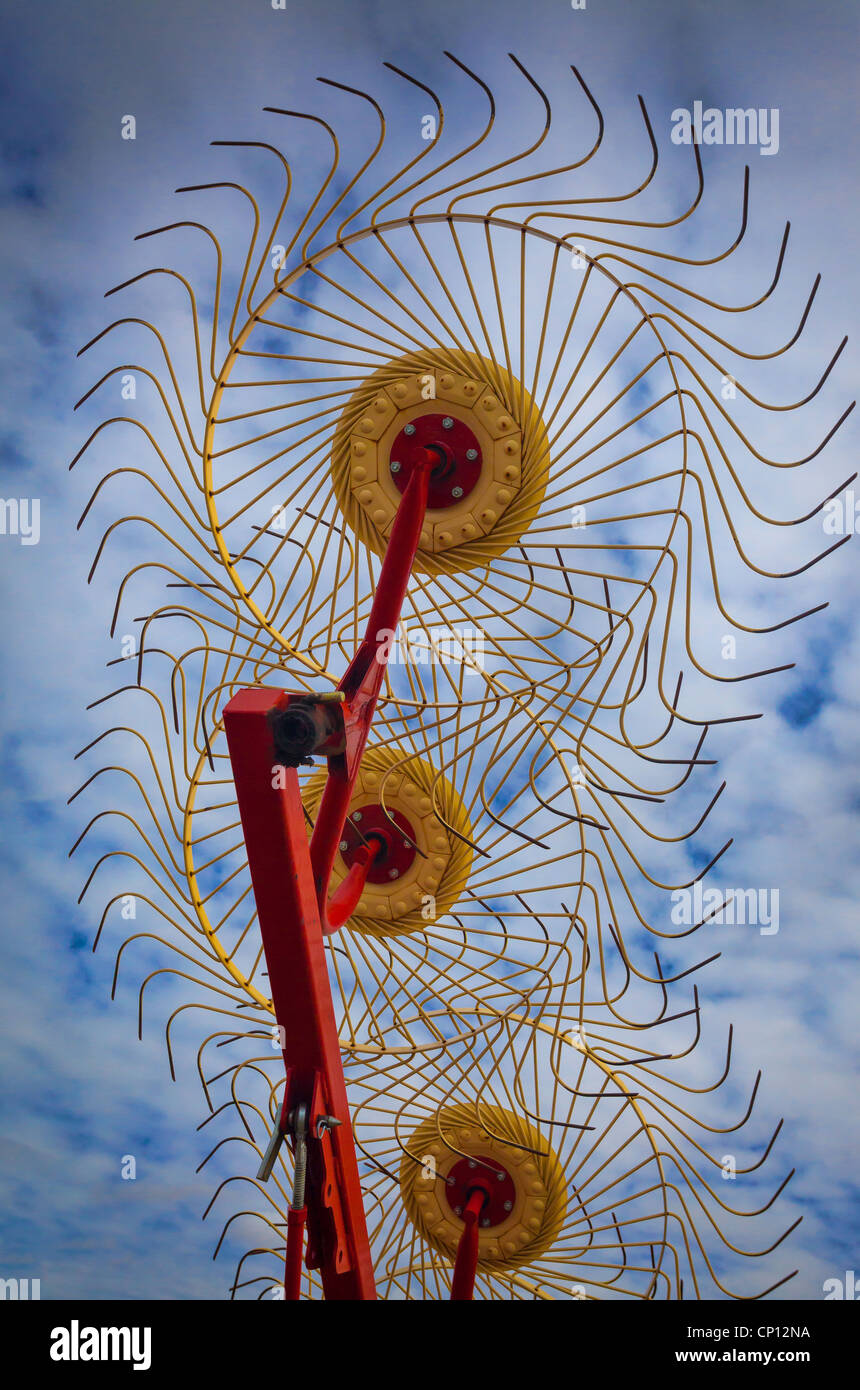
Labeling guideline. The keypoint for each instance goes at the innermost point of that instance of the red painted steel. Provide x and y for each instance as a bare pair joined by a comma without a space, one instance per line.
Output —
273,824
396,850
363,679
466,1264
296,1220
290,878
457,458
492,1178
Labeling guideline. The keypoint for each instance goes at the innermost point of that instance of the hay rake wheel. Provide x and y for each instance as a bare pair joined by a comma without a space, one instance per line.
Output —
461,492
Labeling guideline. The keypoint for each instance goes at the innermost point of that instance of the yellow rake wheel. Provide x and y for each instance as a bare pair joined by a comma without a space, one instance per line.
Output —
512,990
498,418
427,817
523,1176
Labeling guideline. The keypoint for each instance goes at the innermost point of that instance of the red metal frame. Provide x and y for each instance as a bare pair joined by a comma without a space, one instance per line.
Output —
290,878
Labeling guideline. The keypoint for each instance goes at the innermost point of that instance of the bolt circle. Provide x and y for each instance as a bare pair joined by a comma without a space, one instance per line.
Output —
500,1198
457,452
396,852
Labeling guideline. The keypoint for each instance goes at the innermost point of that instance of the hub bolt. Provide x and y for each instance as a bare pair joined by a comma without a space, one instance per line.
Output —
472,1163
456,492
343,846
508,1206
471,454
395,466
447,423
393,873
356,815
485,1220
409,429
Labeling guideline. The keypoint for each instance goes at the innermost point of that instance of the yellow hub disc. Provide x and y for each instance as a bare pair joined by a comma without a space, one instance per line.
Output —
441,1142
439,872
506,424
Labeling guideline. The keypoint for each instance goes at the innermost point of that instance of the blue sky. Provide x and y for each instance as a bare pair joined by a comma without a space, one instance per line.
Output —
79,1090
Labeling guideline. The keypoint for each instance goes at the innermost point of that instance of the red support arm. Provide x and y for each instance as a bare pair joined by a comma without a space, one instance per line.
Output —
273,824
290,878
296,1221
466,1264
361,684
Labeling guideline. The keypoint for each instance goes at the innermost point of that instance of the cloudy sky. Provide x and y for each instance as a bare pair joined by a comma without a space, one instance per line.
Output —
79,1090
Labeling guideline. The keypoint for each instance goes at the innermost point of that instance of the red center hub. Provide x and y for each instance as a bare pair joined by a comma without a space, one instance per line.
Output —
488,1175
397,852
456,448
